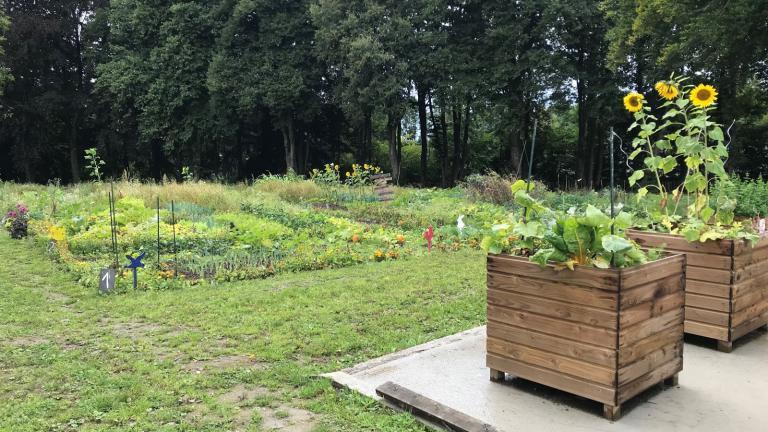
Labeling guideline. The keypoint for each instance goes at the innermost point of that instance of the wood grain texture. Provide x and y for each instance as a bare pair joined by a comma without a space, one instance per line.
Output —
606,344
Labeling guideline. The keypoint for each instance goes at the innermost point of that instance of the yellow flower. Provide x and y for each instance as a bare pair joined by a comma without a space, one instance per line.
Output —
366,166
633,102
400,239
348,174
703,95
56,233
666,90
336,167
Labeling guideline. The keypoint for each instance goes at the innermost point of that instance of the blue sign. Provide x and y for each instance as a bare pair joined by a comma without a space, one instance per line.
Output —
135,264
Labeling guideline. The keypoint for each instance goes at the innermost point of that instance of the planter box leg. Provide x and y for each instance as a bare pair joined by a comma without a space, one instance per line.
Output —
497,375
672,381
612,412
724,346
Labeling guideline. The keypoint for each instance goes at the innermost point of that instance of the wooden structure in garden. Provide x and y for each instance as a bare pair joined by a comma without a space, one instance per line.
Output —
604,334
727,285
381,187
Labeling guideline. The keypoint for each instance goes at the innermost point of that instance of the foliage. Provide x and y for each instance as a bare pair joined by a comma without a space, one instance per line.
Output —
16,221
94,164
751,195
361,175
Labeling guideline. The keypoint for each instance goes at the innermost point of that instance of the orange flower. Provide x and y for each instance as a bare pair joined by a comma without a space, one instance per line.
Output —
355,238
400,239
378,255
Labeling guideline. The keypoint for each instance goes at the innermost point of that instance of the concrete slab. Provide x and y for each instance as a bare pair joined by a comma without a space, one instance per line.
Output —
717,391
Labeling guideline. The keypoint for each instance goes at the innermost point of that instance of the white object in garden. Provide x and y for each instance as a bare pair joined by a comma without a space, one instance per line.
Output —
460,223
761,225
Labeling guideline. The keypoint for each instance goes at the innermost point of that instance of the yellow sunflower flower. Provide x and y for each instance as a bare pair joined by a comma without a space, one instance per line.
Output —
703,96
633,102
666,90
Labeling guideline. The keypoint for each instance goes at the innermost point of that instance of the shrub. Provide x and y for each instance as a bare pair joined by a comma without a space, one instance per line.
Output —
17,221
289,187
751,195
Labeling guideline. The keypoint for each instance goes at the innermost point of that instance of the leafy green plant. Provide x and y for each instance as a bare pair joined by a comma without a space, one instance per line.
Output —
187,175
94,164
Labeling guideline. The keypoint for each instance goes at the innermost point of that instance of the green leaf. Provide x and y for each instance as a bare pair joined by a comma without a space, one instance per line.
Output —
707,213
594,217
529,229
641,193
623,220
634,153
519,185
577,238
614,243
668,164
637,175
716,134
541,256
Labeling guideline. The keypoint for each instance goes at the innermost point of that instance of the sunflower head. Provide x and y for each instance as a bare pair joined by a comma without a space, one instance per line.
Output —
667,90
703,96
633,102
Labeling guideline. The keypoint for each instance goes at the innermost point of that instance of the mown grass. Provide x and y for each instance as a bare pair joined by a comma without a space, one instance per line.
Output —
73,360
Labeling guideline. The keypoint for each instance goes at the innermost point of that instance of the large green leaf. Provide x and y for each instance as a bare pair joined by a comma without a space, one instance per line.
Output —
594,217
577,237
614,243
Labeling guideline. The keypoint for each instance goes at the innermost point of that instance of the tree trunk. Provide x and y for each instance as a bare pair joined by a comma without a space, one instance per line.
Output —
582,154
422,101
457,147
445,163
393,124
289,143
465,141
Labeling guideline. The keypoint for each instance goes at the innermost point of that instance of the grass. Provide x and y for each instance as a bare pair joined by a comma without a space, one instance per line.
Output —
238,356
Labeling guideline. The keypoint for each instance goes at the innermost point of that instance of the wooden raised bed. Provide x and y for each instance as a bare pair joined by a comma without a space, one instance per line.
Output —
604,334
727,285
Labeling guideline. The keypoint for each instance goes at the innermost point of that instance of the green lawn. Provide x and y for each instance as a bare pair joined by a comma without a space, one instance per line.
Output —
239,356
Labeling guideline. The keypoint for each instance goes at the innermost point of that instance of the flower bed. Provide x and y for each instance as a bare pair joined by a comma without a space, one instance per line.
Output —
727,289
604,334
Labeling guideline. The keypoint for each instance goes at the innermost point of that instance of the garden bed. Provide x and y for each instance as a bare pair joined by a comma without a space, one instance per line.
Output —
603,334
727,285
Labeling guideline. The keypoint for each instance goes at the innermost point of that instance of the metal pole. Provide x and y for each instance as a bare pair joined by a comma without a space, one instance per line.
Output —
175,256
530,165
613,228
158,232
113,221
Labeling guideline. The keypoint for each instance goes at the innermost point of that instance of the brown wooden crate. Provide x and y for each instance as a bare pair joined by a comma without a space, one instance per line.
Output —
555,309
743,247
752,255
554,290
678,243
706,330
640,349
656,307
751,271
650,291
747,299
706,302
707,288
555,362
750,285
632,389
660,269
708,275
584,276
649,362
553,326
706,316
633,334
558,345
722,262
549,378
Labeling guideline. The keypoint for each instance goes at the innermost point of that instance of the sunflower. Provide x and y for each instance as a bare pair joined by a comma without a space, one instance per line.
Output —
666,90
703,95
633,102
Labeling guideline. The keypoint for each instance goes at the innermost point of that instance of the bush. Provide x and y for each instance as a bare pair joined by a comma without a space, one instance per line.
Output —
289,187
751,195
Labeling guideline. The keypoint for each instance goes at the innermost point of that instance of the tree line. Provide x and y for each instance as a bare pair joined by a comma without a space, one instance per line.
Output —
432,89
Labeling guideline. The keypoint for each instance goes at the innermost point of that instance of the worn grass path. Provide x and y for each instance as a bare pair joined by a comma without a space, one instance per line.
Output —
239,356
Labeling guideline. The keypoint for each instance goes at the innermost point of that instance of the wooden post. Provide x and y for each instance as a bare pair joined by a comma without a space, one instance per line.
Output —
611,412
497,375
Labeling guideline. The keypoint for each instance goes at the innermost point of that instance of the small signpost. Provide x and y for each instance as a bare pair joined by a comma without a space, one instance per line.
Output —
428,235
107,280
381,186
135,264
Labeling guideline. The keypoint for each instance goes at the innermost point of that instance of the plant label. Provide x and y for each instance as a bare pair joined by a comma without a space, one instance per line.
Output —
106,280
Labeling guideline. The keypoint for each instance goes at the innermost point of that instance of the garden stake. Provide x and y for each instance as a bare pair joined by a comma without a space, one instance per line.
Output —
175,257
113,224
613,256
530,165
158,232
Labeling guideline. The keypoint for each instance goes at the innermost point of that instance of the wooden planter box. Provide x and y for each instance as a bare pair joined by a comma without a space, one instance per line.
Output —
604,334
727,285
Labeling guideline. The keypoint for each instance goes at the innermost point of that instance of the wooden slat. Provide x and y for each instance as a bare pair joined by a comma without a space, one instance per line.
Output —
706,302
570,330
707,288
640,331
552,290
650,272
658,306
708,275
706,316
748,313
655,289
751,271
722,262
650,362
589,353
583,276
749,285
706,330
673,242
640,349
743,247
546,377
757,295
749,326
632,389
555,309
752,255
555,362
431,410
